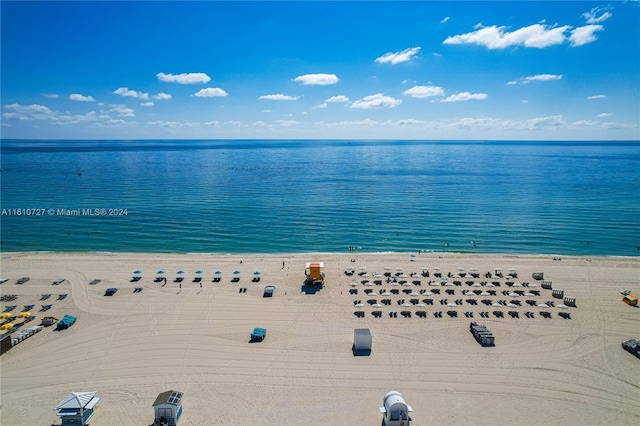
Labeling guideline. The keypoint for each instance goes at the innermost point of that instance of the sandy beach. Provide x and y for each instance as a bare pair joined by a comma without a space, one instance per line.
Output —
133,345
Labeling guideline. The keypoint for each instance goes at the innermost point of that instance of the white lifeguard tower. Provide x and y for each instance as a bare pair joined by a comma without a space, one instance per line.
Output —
394,410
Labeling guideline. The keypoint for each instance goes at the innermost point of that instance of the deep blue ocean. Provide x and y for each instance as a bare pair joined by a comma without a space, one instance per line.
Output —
258,196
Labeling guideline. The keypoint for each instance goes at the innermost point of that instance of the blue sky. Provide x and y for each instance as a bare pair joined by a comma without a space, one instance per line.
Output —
346,70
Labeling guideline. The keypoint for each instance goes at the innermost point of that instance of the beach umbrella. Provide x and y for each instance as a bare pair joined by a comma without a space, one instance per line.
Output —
5,315
399,268
349,268
7,326
387,268
363,268
218,272
180,272
256,273
425,269
412,255
160,272
137,272
24,314
460,269
436,268
199,271
236,272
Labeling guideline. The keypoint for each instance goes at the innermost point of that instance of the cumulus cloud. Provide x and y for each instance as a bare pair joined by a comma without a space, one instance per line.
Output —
121,110
365,122
184,78
147,104
398,57
597,15
583,35
321,106
29,112
126,92
376,101
162,96
597,97
317,79
542,77
494,37
465,96
81,98
50,95
210,92
339,98
604,115
424,91
279,97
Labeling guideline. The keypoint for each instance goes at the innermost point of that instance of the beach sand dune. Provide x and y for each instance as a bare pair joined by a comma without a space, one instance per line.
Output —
133,345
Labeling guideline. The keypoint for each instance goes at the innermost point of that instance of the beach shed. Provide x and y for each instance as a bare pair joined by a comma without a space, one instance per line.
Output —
5,343
314,272
77,408
268,291
394,410
362,340
167,408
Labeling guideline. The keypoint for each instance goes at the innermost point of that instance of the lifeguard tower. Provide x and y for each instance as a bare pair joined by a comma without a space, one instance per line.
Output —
314,272
394,410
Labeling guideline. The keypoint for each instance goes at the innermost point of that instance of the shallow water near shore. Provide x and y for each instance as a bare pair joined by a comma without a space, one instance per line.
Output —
182,196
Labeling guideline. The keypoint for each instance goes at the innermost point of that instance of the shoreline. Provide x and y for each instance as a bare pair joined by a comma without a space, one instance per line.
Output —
180,336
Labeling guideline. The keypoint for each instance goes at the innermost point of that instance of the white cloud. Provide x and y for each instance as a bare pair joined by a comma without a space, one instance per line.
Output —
553,121
321,106
597,15
494,37
50,95
317,79
67,119
409,122
122,111
162,96
424,91
512,82
365,122
81,98
125,91
286,123
542,77
465,96
210,92
445,20
376,101
339,98
584,123
184,78
583,35
597,97
266,110
279,97
604,115
147,104
398,57
259,123
29,112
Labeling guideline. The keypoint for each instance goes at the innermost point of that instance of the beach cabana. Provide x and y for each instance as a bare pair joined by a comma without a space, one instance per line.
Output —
394,410
77,408
167,408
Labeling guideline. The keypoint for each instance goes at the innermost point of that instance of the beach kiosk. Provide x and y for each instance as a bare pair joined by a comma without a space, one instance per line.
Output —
314,272
394,410
167,408
77,408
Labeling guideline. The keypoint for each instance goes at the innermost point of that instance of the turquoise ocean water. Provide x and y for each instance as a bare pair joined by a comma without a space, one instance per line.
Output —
571,198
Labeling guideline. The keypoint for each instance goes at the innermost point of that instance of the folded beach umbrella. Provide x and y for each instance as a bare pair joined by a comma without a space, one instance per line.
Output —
256,273
160,272
218,272
236,272
199,271
137,272
180,272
